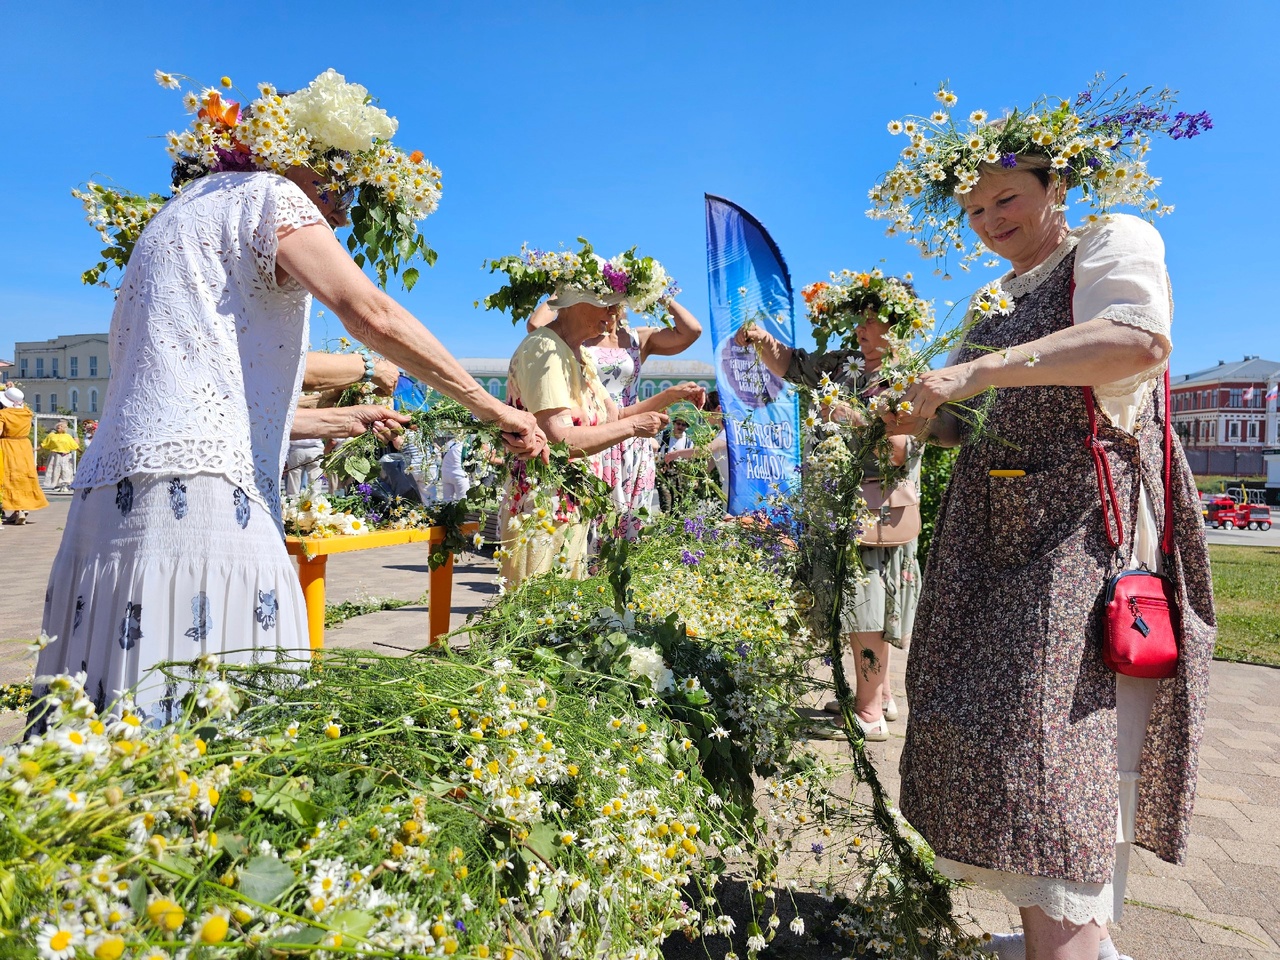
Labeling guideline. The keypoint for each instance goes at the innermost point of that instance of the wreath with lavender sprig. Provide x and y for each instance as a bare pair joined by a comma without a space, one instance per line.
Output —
642,283
1097,142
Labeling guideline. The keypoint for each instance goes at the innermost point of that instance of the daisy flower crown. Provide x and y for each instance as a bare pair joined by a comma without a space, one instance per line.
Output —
332,126
835,308
1097,142
642,283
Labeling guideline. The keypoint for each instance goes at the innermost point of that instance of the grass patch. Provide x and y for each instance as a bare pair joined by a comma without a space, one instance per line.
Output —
1217,483
1246,586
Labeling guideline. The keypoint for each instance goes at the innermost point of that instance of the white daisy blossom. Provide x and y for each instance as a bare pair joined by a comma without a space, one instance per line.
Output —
41,642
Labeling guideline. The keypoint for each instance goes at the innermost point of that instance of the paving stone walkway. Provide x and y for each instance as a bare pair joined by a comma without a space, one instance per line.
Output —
1222,904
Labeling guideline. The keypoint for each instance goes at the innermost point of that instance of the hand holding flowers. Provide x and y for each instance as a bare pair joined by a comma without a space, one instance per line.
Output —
339,423
924,399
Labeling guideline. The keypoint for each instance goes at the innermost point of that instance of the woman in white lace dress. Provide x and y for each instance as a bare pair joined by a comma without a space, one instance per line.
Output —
630,466
173,547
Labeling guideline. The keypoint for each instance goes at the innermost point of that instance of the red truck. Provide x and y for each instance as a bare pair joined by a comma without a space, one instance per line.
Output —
1222,511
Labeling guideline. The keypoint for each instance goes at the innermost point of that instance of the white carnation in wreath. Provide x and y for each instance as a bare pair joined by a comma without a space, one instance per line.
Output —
648,662
338,114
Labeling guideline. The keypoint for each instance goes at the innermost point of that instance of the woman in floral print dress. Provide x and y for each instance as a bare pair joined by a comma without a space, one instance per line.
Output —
1037,784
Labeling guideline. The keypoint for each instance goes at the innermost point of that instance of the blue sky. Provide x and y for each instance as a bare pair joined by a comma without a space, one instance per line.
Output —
559,119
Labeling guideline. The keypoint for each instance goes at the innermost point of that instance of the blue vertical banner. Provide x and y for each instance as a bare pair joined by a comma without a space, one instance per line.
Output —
408,396
748,281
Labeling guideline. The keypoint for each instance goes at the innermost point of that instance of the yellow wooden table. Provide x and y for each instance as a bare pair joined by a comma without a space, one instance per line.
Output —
313,557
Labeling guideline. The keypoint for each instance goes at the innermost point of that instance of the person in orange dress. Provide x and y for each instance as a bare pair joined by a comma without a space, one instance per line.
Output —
19,488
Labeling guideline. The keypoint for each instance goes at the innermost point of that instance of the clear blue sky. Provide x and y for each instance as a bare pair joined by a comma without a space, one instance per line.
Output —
557,119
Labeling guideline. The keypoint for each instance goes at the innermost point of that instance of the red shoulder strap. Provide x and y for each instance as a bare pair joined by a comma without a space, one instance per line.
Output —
1111,518
1166,539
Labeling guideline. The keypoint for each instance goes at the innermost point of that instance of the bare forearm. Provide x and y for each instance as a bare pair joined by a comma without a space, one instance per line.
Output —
655,404
667,341
685,324
1092,353
541,316
393,331
773,354
331,371
584,441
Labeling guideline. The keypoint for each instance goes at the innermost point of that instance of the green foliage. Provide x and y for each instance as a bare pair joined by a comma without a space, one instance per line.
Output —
336,613
528,282
935,474
119,216
385,237
533,274
452,805
15,696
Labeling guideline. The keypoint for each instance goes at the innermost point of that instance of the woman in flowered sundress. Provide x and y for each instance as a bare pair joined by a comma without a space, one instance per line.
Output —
1037,785
630,467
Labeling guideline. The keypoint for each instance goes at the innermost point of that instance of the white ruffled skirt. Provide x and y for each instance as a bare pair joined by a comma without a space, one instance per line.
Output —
165,567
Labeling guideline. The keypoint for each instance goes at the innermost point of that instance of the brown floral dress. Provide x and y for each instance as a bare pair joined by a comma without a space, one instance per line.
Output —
1010,759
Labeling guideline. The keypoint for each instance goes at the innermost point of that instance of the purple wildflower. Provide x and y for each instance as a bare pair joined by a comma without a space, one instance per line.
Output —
1093,162
691,559
817,849
1008,161
1187,125
617,279
1084,97
233,161
460,925
743,649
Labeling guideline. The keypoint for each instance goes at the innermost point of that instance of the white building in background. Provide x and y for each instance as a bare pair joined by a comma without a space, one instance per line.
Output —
655,375
65,373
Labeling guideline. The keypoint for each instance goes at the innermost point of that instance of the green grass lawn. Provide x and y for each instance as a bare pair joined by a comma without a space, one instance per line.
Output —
1246,593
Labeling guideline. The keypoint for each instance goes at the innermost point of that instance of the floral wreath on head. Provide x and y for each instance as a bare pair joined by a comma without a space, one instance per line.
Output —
1097,142
331,126
642,283
835,309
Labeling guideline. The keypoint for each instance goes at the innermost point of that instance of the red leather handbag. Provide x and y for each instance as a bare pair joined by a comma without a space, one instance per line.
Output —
1141,626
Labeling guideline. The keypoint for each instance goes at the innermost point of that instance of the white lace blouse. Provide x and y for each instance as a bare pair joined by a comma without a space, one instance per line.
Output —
206,349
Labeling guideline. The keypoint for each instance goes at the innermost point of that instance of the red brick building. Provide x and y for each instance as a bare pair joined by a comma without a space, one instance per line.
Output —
1221,414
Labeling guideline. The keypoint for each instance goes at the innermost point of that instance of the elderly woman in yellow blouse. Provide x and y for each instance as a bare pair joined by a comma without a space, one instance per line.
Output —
551,378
